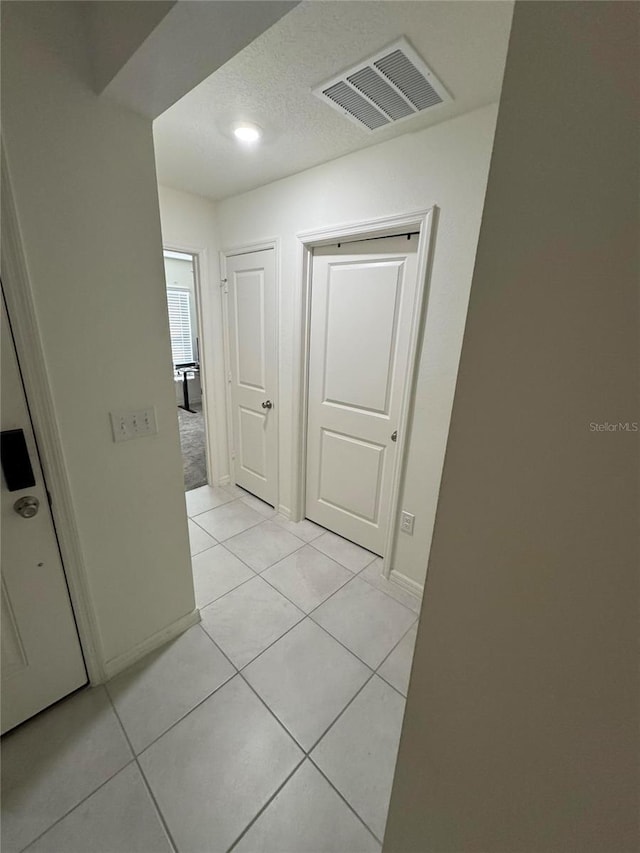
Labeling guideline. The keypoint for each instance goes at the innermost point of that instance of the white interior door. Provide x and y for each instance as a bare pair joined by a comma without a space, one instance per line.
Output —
252,318
41,657
362,297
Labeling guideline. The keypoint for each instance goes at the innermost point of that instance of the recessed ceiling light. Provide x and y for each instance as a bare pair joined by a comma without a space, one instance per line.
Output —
246,132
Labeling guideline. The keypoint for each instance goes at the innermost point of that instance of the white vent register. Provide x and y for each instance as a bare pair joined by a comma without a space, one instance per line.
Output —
390,86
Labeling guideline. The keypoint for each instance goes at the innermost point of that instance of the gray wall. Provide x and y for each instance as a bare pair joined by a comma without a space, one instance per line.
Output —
521,725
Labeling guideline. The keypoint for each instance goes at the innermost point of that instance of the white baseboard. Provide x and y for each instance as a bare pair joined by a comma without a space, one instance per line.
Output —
285,512
406,583
121,662
224,481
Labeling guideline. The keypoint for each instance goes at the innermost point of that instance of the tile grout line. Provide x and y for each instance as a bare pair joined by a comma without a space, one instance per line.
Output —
388,683
344,800
197,705
342,585
315,743
202,607
307,755
255,575
267,804
246,530
334,721
410,628
77,805
224,503
101,785
272,643
208,548
250,686
271,565
308,616
227,503
273,714
145,781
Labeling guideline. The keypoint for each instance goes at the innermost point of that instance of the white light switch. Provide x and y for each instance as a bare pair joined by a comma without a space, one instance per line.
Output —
120,426
127,425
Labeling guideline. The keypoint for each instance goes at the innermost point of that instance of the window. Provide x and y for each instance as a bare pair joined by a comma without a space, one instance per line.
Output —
180,325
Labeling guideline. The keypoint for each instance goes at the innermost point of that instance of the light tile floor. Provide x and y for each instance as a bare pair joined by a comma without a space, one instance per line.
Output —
272,726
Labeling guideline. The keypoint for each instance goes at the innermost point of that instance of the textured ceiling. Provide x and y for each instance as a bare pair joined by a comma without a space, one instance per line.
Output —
270,83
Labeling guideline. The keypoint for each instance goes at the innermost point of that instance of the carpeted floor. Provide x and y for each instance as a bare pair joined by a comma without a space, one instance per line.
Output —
192,441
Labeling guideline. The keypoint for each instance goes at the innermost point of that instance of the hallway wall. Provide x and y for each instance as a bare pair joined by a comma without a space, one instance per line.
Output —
84,181
521,728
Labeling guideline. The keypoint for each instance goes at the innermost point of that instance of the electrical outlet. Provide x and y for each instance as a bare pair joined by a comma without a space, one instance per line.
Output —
406,522
128,425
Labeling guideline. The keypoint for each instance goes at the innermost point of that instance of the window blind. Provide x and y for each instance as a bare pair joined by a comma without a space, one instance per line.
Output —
180,325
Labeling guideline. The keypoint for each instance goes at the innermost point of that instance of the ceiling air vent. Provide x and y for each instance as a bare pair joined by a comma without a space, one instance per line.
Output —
389,87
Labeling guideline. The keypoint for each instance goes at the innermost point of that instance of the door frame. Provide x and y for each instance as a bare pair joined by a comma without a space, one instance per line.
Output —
422,221
30,353
205,338
247,249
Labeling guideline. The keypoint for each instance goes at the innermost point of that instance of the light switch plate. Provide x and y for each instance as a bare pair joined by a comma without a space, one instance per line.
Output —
128,425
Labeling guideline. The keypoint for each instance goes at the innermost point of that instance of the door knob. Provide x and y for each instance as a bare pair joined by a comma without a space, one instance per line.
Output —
394,435
267,404
27,507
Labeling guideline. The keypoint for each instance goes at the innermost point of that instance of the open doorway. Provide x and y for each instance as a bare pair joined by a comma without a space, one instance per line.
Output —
182,304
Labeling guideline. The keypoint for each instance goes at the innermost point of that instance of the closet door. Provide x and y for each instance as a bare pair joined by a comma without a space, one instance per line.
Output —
361,301
252,318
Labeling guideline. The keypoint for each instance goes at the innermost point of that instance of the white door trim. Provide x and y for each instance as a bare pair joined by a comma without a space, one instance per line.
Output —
245,249
207,363
28,341
422,221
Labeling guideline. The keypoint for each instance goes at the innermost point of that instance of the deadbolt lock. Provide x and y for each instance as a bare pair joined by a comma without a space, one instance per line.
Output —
27,507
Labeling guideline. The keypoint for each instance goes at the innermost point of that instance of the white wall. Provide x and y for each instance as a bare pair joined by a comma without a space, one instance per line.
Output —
83,175
521,728
447,166
189,224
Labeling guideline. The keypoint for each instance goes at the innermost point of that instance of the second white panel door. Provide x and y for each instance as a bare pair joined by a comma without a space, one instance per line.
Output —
252,316
362,299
